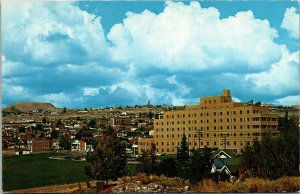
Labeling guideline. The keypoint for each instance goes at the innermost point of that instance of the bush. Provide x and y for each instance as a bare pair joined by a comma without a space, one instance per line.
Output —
143,177
173,182
289,184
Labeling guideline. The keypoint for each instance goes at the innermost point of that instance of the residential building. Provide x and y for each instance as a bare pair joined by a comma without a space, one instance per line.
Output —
217,122
41,145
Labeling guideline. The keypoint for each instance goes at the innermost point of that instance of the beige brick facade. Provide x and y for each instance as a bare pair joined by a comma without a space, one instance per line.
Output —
215,120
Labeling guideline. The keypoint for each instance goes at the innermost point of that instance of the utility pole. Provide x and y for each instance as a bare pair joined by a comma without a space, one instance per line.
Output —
199,134
224,139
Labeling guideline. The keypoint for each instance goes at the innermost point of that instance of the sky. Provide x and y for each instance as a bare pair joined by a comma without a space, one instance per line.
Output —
80,54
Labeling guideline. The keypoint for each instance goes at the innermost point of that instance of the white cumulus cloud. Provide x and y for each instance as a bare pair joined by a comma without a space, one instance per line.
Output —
190,38
290,22
288,100
281,78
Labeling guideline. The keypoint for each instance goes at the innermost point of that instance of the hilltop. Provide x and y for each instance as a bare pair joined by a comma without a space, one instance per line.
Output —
30,106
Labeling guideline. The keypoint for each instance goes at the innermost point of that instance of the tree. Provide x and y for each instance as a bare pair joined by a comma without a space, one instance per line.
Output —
182,158
108,160
38,127
148,161
64,143
64,110
150,115
44,120
274,157
59,124
92,123
200,164
54,134
167,167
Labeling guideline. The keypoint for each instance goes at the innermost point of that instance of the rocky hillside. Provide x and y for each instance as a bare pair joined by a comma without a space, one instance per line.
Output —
30,106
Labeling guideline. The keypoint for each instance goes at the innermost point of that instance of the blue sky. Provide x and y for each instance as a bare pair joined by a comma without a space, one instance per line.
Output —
107,53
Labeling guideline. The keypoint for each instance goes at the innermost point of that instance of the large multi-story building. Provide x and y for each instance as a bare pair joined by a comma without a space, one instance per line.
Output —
217,122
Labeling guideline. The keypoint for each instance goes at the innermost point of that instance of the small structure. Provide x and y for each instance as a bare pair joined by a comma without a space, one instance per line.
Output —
75,145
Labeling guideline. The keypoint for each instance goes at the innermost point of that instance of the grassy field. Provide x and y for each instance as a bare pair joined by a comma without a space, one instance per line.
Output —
27,171
36,170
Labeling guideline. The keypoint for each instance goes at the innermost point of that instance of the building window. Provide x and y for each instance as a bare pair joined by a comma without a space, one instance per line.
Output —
241,112
207,128
234,143
215,143
162,143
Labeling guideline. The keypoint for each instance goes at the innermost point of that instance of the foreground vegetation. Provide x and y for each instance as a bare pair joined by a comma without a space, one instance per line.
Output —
284,184
36,170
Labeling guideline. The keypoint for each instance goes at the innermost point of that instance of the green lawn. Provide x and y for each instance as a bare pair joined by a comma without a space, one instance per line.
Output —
27,171
36,170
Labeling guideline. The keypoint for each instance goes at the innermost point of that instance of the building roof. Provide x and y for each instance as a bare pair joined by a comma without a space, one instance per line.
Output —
231,163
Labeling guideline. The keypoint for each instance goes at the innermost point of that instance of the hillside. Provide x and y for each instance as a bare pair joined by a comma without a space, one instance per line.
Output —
30,106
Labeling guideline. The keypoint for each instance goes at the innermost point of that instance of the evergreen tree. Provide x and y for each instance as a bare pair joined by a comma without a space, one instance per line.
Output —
148,161
200,164
92,123
274,157
108,160
64,143
167,167
44,120
183,158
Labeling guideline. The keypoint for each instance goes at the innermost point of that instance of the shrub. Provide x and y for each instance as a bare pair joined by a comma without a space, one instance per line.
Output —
173,182
143,177
289,184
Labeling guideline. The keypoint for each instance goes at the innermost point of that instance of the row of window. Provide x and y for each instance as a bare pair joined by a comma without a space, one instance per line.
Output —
217,128
214,113
217,121
214,144
208,135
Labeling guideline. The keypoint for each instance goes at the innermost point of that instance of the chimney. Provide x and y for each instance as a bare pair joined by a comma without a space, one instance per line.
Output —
226,92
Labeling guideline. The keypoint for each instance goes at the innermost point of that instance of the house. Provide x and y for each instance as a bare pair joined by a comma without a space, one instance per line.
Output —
41,145
86,145
75,145
225,165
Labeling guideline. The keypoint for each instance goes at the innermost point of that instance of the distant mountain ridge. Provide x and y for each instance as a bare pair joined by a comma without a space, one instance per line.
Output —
30,106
